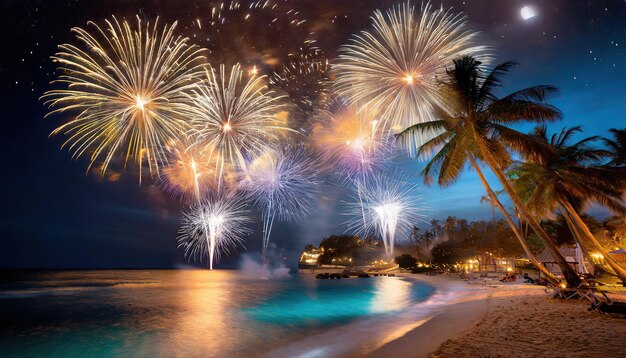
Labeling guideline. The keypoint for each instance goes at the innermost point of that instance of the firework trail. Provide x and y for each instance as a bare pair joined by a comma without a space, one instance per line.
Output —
283,184
394,67
190,174
353,145
127,85
391,207
213,227
235,118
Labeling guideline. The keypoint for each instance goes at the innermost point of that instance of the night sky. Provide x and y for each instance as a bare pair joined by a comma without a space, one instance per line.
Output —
54,215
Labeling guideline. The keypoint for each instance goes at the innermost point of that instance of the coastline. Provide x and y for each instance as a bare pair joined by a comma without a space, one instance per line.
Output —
381,336
493,320
468,306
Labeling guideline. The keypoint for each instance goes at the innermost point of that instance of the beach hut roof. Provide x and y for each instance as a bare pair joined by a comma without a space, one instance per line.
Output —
568,252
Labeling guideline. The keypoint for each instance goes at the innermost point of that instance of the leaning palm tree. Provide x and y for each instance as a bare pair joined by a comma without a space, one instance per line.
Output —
487,199
570,176
524,180
492,199
474,127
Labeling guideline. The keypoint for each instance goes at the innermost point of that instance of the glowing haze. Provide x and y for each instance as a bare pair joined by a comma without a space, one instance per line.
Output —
218,137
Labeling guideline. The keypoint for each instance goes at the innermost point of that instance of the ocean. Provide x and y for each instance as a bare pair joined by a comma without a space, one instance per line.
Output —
220,313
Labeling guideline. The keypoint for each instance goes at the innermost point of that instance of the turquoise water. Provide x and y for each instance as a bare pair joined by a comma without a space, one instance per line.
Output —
184,312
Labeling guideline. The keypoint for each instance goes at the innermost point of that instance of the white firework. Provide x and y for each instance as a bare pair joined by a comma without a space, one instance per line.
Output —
213,227
394,67
283,184
234,117
391,208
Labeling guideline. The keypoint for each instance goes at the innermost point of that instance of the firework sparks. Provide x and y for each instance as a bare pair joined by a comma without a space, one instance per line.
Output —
190,174
231,29
283,184
128,86
234,118
213,227
391,208
394,67
305,78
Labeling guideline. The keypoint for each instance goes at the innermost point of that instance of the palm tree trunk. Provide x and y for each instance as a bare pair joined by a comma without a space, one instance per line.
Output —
619,270
568,272
494,199
577,237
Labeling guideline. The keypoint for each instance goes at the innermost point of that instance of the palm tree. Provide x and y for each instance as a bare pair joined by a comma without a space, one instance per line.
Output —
473,127
487,199
436,225
571,176
421,240
449,226
416,240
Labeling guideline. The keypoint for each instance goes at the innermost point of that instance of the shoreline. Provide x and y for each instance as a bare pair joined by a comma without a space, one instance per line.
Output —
359,337
495,320
454,319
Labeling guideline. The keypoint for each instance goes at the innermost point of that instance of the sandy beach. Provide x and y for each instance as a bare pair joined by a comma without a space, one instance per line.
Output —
504,320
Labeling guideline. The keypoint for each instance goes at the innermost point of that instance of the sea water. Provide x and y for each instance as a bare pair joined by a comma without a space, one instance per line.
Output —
220,313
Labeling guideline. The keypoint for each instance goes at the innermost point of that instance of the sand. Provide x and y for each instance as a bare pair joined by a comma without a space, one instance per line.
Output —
512,320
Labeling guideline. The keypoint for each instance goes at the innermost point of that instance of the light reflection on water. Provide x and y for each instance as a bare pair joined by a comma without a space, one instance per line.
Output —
181,313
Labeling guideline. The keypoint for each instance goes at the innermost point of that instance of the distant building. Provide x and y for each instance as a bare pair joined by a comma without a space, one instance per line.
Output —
488,262
310,258
570,255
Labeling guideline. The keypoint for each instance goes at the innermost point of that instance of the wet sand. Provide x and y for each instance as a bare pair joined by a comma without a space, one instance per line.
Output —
504,320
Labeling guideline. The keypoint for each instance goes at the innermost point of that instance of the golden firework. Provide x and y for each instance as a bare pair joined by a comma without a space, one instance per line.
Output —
394,67
127,85
234,117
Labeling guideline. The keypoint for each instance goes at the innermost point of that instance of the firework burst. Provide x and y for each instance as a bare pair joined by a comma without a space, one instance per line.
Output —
128,86
394,67
391,207
283,184
190,174
352,142
213,227
234,118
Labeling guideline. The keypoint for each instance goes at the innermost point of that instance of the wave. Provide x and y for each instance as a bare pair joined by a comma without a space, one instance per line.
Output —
365,335
68,289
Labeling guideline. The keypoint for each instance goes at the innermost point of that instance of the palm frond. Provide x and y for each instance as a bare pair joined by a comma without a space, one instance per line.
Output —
493,80
537,93
511,112
420,128
528,146
453,164
433,167
561,139
429,147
